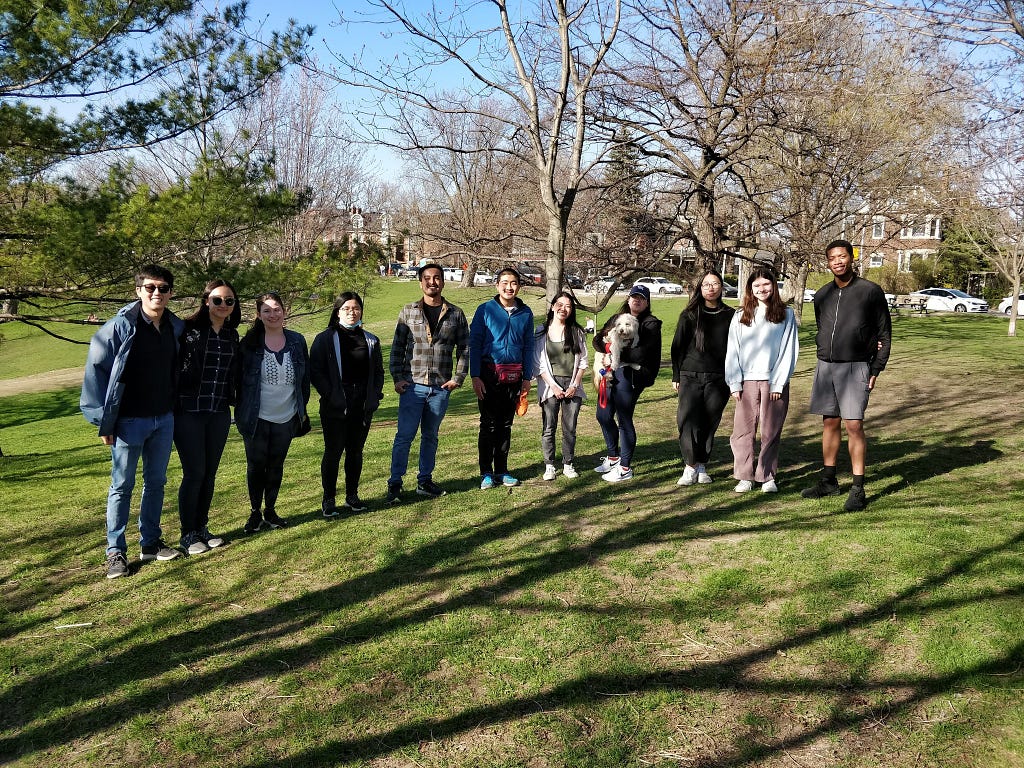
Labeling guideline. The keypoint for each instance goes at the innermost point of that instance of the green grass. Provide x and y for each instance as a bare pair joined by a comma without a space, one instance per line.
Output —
559,624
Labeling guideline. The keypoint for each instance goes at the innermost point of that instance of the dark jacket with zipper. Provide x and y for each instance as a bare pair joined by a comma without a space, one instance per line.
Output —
854,325
325,373
647,352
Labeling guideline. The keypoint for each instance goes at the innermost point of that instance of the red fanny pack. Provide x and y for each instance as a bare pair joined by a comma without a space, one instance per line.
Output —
508,373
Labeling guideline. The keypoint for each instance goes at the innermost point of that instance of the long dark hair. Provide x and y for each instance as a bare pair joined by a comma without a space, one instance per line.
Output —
571,342
201,317
334,323
776,310
695,307
257,333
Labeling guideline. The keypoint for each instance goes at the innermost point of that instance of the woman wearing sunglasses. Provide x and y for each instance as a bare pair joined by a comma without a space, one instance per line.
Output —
207,380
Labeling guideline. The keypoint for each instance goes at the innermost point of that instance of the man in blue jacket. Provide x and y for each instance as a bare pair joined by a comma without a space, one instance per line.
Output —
501,365
128,393
853,341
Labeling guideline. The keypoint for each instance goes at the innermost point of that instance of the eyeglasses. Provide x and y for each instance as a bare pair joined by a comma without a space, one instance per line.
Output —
163,288
711,285
217,301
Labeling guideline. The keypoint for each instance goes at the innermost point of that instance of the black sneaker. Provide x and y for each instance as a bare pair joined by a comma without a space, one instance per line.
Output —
270,518
821,489
254,523
856,501
209,539
158,550
394,494
117,565
193,543
355,504
329,509
429,488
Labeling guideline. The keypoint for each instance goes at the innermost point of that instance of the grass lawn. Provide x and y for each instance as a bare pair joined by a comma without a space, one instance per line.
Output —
571,623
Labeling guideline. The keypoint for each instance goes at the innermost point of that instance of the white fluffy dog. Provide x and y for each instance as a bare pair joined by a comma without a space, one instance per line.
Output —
623,334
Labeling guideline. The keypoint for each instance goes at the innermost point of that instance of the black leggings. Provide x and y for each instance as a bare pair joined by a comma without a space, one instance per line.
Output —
199,439
344,434
497,410
265,453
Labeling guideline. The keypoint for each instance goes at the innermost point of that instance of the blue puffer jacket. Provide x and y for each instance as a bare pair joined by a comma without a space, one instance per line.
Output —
102,388
495,336
247,404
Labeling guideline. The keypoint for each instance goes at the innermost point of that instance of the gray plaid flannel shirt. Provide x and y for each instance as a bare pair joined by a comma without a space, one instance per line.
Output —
419,357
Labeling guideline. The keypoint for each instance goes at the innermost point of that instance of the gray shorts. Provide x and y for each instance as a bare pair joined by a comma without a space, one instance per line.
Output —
840,389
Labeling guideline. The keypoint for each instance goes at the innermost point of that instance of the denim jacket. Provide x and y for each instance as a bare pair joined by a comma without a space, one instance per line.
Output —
247,404
102,388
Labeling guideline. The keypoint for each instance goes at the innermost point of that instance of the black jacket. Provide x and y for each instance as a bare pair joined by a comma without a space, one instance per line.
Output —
325,373
854,325
647,352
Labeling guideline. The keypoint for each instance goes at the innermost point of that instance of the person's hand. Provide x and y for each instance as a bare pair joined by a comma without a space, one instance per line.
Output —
525,388
401,386
606,360
871,383
675,386
451,385
479,388
736,396
570,391
107,439
774,395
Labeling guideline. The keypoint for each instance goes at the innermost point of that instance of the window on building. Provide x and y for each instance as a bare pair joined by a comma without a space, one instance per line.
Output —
875,260
878,228
934,227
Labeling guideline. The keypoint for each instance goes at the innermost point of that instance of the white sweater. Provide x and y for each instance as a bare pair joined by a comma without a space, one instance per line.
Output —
761,351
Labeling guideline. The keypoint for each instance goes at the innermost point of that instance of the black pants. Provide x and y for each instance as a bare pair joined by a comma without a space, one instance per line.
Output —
497,410
265,453
344,434
199,439
702,399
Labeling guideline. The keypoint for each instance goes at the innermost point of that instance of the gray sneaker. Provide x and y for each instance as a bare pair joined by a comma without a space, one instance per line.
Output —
209,539
117,565
193,543
158,550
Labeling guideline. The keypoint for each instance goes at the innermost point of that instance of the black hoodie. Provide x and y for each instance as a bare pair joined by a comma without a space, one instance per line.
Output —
851,323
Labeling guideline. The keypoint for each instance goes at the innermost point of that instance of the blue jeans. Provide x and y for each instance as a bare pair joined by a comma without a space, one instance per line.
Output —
419,407
620,438
149,438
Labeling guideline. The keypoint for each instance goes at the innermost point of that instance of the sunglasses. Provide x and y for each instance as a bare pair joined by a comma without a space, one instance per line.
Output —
162,288
217,301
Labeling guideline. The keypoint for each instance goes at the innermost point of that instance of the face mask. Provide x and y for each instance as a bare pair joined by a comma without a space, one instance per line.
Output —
352,327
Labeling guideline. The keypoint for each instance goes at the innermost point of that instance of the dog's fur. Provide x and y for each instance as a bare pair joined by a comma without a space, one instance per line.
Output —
623,334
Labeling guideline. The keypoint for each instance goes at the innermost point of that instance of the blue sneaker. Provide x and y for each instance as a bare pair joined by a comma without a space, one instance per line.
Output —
487,483
508,481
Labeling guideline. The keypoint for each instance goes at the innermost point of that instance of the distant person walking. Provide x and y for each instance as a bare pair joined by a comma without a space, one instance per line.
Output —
626,383
501,365
428,334
761,357
208,377
560,359
347,369
853,343
271,406
128,393
698,374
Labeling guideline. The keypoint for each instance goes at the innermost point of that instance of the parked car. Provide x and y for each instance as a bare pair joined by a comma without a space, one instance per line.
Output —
729,291
604,284
1007,304
573,281
950,300
408,270
808,295
530,274
483,277
453,275
659,285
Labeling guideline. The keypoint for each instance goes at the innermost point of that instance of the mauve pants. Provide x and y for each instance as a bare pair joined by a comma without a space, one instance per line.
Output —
754,407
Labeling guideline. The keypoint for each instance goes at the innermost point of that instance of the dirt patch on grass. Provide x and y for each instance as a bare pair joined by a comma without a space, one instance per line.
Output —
41,382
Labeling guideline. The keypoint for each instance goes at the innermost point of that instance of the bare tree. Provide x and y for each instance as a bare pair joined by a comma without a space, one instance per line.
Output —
541,66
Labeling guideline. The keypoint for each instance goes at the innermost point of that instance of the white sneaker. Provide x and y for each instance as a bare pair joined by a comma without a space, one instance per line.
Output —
689,477
606,464
702,475
769,486
617,474
743,486
549,472
569,471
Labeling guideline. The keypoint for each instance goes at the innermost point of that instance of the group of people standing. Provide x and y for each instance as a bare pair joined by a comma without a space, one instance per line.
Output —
153,380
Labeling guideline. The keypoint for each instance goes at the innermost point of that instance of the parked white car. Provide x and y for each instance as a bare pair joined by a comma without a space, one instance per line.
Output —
453,275
808,295
603,284
483,277
659,286
1006,304
950,300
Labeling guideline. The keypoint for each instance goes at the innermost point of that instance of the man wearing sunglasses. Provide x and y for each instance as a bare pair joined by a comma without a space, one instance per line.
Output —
128,393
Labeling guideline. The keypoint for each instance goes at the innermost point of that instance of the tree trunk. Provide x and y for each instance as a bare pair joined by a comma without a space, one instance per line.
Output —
1012,330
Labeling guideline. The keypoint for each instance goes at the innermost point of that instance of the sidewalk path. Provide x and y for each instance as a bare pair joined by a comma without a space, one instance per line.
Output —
42,382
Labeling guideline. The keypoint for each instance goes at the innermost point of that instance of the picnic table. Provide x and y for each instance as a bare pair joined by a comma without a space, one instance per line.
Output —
911,304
